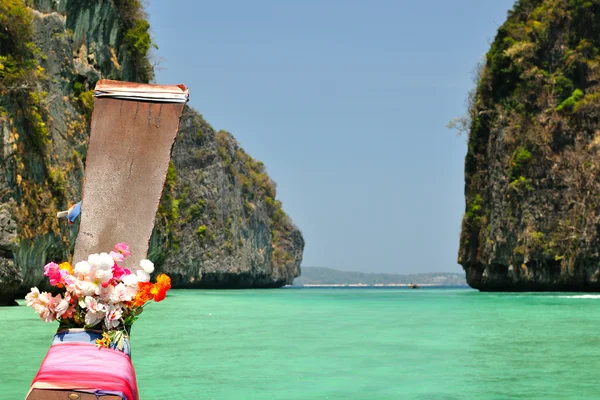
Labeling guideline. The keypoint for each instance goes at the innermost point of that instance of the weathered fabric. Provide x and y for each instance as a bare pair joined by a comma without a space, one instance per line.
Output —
86,367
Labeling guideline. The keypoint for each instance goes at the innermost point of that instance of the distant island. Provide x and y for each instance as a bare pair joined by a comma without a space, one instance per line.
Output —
318,276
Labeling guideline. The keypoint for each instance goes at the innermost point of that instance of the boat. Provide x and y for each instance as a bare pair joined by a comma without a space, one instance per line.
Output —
133,129
414,286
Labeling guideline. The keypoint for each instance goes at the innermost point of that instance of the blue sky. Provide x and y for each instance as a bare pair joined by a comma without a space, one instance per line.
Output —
346,102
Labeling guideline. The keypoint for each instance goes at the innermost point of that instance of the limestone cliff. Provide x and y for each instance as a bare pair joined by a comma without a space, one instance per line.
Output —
532,187
218,225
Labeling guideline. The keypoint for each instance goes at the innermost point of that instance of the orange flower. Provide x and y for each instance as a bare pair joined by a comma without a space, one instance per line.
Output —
160,288
163,281
105,341
144,294
159,293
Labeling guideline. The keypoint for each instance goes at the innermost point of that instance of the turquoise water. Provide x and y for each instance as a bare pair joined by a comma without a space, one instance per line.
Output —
344,344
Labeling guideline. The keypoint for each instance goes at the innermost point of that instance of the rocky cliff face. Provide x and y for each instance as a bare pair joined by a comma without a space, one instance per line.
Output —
218,225
219,222
532,187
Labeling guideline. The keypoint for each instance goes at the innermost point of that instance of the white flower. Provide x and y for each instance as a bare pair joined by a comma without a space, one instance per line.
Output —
131,281
106,293
147,266
103,275
47,315
121,293
74,289
95,311
101,267
89,288
142,275
94,260
62,307
113,317
82,270
33,296
105,261
92,318
92,304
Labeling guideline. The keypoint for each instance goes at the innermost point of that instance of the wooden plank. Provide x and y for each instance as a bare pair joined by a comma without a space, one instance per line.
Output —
51,394
128,156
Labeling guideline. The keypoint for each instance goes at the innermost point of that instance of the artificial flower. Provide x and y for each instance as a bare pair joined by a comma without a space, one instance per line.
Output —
33,296
147,266
105,341
63,306
121,294
113,315
117,257
119,272
123,249
98,293
95,310
66,266
144,294
82,270
164,281
142,275
159,290
55,274
130,280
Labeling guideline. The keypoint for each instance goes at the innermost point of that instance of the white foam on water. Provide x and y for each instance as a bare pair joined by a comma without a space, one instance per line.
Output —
581,296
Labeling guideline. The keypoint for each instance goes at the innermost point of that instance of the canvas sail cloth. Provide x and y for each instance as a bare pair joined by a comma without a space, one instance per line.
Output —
133,129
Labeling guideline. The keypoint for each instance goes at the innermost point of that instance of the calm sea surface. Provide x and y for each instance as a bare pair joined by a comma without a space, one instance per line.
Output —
344,344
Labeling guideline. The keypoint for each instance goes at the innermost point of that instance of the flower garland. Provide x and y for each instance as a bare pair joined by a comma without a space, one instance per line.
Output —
99,294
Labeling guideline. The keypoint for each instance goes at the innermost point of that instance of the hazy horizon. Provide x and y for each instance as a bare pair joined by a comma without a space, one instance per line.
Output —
391,273
346,103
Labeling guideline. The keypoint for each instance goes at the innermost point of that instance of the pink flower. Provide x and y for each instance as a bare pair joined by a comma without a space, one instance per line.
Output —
68,279
56,275
65,308
74,289
123,249
45,305
118,257
119,272
60,305
121,294
50,267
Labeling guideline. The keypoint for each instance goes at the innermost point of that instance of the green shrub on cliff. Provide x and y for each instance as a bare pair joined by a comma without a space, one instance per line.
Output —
521,157
137,37
16,46
570,103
